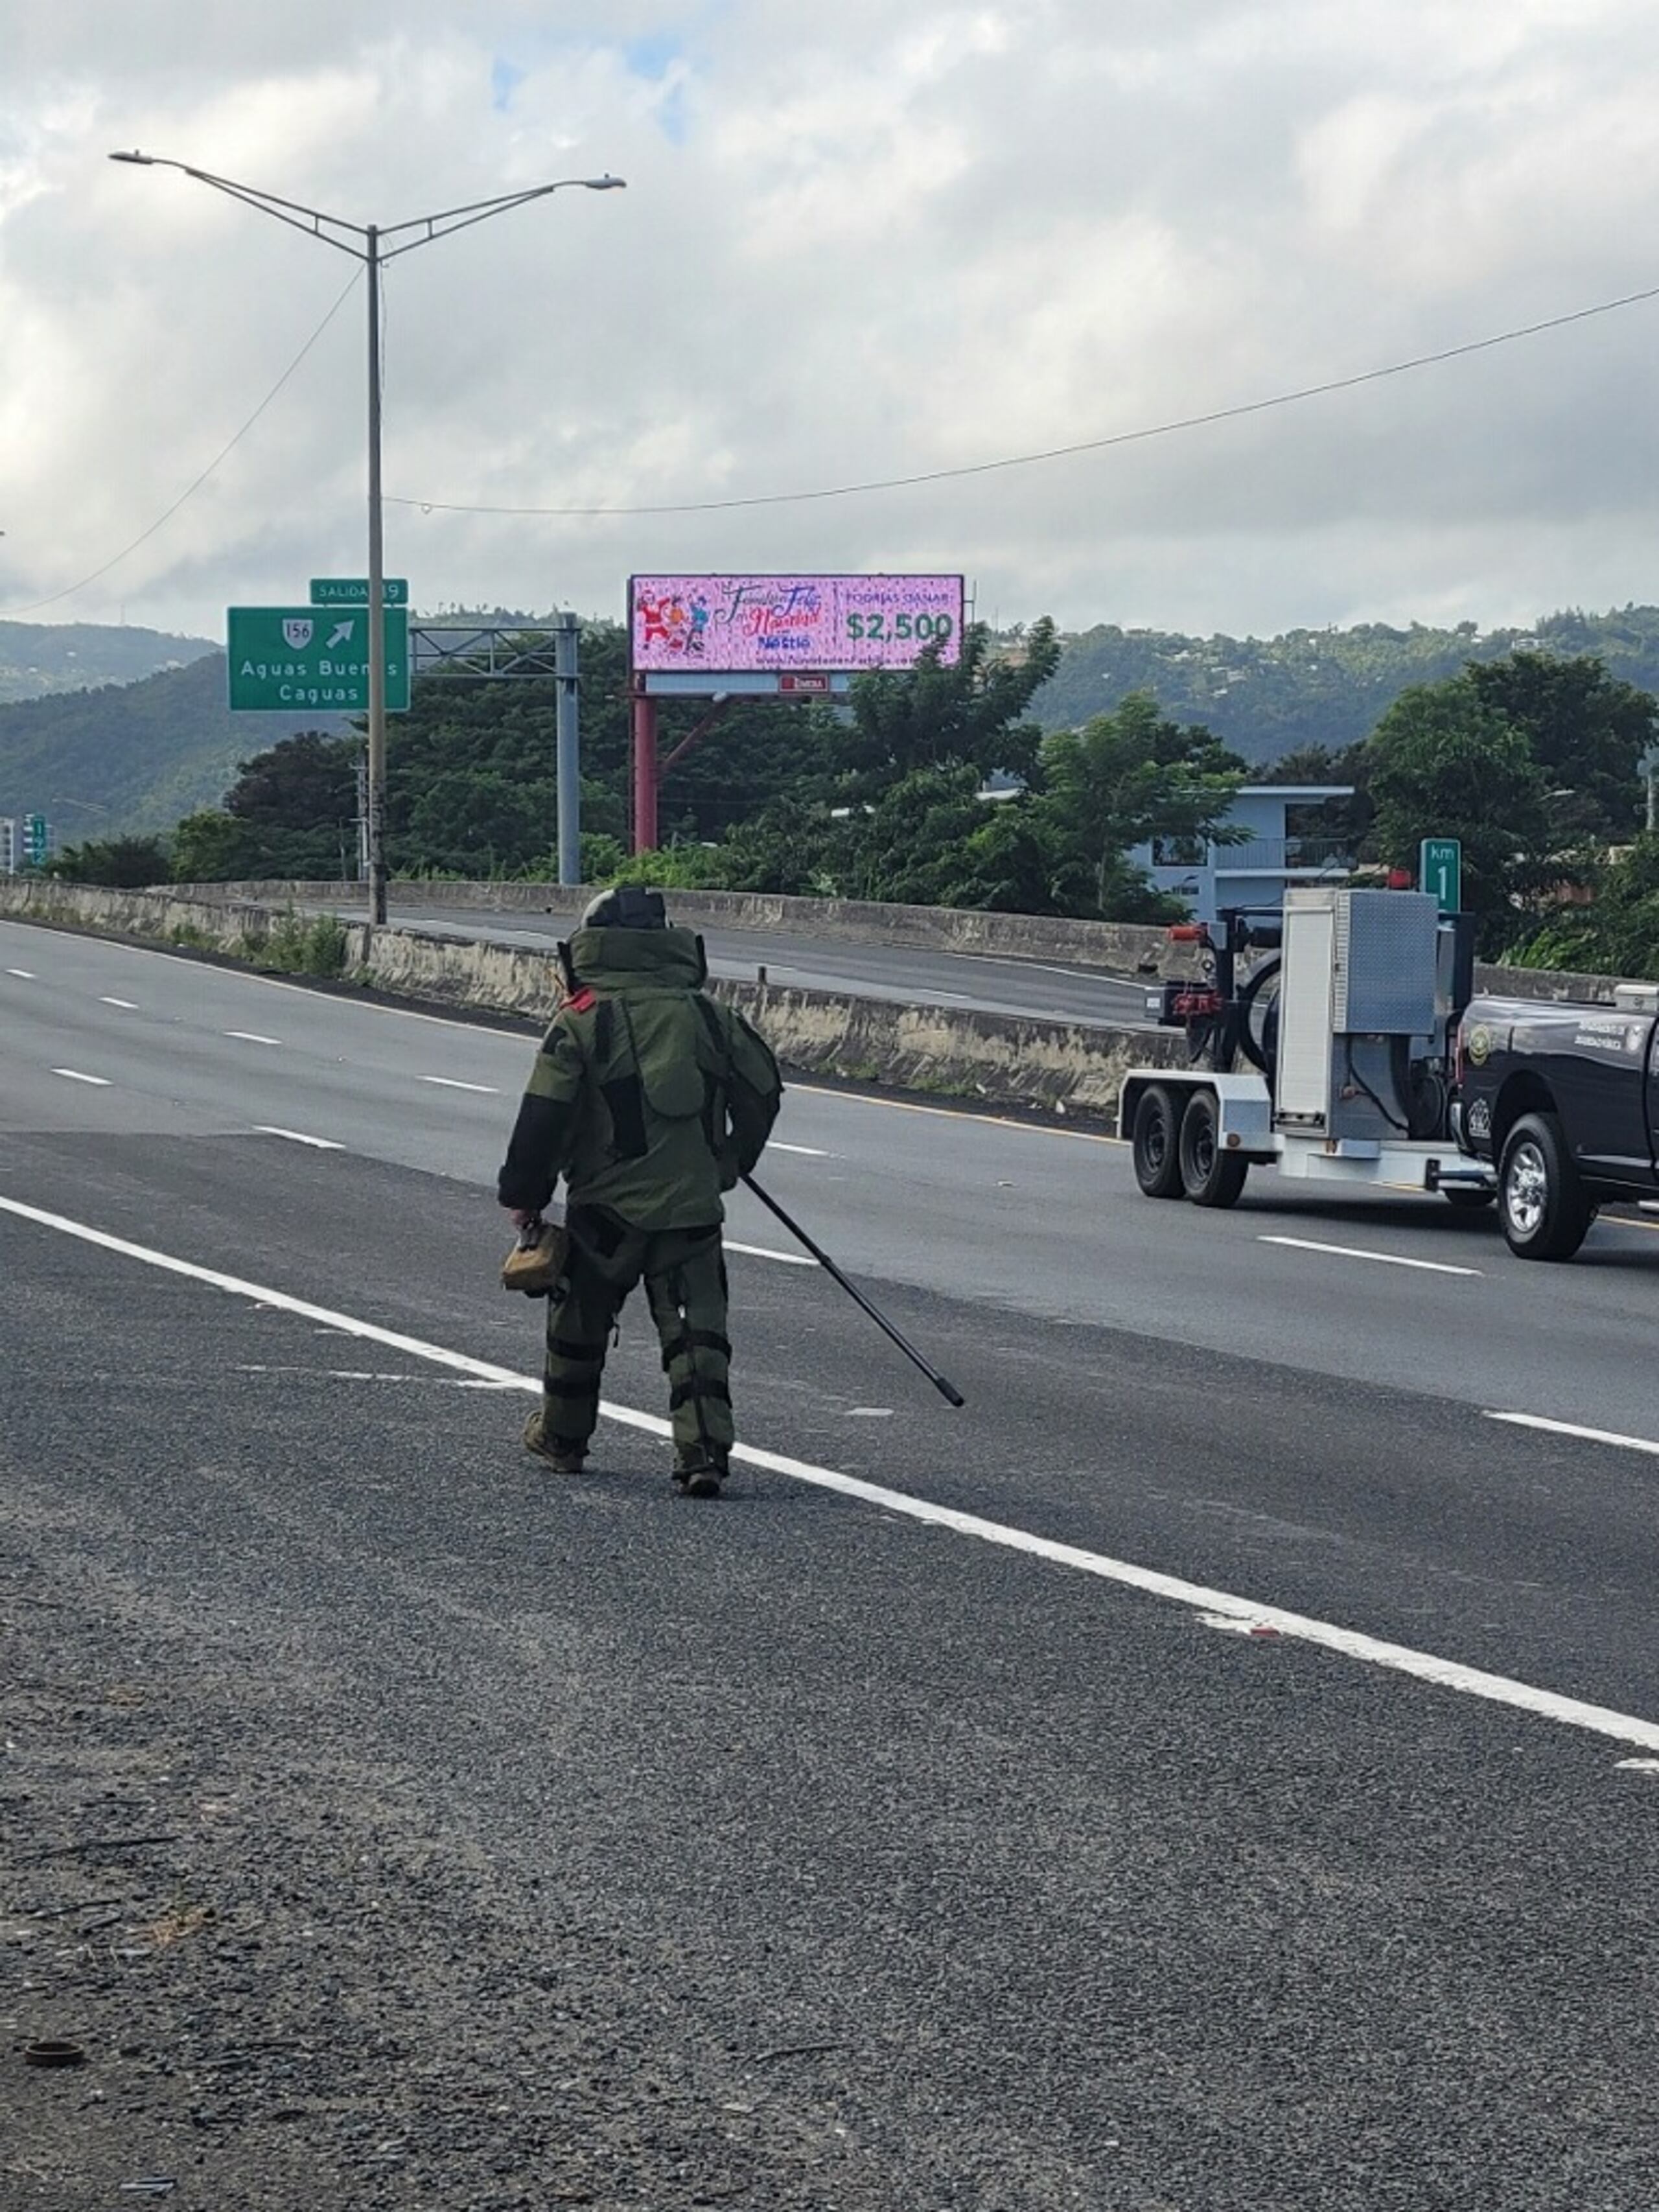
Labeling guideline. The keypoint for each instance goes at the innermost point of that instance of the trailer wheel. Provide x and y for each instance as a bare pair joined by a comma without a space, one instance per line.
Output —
1155,1141
1541,1204
1209,1176
1466,1200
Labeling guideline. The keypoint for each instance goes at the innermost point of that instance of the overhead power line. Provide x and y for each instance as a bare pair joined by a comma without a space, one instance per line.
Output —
115,559
1056,453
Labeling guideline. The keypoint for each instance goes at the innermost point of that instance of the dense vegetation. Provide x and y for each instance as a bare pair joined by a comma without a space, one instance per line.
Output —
128,756
940,787
888,800
138,756
1267,697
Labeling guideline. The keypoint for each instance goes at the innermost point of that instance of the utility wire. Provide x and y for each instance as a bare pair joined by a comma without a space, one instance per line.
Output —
1061,453
70,590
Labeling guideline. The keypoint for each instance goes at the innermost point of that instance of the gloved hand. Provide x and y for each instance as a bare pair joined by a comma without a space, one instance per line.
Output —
520,1216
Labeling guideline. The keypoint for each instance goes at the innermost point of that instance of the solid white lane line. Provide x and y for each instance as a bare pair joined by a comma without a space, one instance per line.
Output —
130,1005
1398,1658
449,1083
27,975
760,1252
252,1036
74,1075
297,1137
806,1151
1572,1429
1352,1252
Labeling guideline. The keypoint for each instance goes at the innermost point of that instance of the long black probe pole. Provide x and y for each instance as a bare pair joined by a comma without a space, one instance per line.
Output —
948,1391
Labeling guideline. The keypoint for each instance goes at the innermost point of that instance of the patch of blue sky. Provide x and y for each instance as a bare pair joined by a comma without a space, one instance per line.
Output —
652,56
505,78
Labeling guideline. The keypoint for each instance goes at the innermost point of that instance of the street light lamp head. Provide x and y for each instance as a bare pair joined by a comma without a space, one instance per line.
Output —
145,160
606,183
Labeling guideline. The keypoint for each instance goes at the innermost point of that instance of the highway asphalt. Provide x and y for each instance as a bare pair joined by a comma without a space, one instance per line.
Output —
908,974
1216,1769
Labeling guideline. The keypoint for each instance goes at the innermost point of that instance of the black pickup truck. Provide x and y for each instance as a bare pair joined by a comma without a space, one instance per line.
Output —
1563,1101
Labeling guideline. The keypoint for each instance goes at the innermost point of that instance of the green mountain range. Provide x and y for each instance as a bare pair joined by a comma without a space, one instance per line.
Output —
1269,697
137,755
39,658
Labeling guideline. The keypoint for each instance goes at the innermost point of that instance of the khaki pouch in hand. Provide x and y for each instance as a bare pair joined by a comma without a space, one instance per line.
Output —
537,1260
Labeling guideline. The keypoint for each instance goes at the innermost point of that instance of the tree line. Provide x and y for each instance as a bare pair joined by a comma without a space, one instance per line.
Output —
936,786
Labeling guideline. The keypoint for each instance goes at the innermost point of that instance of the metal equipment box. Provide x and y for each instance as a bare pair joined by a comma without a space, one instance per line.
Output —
1358,965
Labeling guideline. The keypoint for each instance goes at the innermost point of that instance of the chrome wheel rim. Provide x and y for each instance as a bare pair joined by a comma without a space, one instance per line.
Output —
1527,1187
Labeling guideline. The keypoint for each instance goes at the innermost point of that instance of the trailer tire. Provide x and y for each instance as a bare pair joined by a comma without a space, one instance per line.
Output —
1209,1176
1155,1140
1466,1200
1541,1204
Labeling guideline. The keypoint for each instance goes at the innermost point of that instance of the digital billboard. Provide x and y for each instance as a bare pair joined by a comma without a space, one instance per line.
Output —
759,625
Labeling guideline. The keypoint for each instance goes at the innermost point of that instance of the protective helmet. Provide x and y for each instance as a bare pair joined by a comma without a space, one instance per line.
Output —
626,906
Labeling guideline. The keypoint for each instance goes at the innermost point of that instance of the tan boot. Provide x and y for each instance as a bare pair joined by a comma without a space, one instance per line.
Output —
564,1458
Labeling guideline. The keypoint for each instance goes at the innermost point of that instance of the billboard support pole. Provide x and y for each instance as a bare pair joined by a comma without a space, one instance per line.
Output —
717,713
645,773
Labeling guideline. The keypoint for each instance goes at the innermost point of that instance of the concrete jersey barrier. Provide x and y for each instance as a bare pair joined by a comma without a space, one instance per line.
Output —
1117,948
995,1059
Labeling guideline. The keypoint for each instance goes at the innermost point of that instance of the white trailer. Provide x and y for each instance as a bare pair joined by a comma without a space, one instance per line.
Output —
1360,1054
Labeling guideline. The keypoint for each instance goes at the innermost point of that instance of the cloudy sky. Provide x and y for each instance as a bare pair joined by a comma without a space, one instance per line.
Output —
858,242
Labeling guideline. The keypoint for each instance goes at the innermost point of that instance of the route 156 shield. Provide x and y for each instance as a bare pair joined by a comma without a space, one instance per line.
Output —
298,632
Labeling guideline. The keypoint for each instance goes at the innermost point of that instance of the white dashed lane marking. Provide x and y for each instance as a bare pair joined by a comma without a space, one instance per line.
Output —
1353,1252
27,975
760,1252
252,1036
451,1083
128,1005
74,1075
298,1137
1572,1429
806,1151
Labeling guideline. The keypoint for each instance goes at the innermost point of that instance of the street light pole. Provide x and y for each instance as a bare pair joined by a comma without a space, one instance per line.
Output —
373,252
375,793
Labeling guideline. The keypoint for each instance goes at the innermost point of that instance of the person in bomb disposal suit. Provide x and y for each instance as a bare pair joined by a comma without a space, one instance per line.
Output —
651,1099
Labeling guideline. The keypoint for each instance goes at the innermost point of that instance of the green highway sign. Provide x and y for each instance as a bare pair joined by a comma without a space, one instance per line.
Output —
284,660
352,590
1440,871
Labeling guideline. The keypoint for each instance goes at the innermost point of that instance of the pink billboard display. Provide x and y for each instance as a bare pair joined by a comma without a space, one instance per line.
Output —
742,625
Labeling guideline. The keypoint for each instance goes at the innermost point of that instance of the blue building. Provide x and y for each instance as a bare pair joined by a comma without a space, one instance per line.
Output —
1279,840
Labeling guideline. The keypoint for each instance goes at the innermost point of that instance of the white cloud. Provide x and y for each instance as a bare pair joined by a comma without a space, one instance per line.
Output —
854,245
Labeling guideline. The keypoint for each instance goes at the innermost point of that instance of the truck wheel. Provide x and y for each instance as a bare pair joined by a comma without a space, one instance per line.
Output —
1209,1176
1156,1139
1541,1201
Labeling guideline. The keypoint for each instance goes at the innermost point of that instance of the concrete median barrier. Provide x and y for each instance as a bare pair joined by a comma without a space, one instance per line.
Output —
997,1060
1116,948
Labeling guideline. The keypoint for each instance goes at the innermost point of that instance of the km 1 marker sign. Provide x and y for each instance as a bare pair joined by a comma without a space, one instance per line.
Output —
1440,869
284,659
